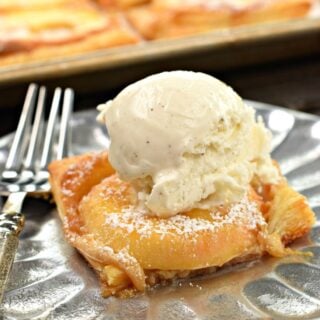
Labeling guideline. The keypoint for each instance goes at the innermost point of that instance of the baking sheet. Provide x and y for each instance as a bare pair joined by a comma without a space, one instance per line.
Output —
50,280
296,37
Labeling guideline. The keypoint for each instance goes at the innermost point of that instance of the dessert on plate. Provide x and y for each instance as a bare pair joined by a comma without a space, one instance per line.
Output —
40,30
176,18
187,186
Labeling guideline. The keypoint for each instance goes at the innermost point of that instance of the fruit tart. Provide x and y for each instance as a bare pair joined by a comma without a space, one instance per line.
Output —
187,186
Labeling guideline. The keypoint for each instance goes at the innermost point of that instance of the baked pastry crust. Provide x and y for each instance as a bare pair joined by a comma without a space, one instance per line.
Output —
38,30
131,251
36,33
176,18
13,5
124,4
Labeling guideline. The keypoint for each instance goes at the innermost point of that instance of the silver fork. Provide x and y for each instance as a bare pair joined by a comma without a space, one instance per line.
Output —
23,174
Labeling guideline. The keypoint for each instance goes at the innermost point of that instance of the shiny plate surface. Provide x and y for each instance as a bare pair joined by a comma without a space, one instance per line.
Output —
50,280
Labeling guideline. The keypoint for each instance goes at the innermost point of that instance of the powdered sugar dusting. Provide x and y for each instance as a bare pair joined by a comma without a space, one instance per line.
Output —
134,219
124,257
67,192
76,174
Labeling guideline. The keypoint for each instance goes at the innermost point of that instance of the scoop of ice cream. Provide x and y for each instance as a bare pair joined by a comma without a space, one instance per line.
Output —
186,140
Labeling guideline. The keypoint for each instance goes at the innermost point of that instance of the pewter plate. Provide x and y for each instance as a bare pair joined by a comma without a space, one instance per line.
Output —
50,280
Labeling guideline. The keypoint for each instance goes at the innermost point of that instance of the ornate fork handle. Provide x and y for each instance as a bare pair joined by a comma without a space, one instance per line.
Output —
21,174
11,224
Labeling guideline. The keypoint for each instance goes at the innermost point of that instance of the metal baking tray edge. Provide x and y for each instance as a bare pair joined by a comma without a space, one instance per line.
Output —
107,59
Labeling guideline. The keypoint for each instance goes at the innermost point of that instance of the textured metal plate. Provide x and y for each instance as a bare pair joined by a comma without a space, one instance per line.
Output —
50,280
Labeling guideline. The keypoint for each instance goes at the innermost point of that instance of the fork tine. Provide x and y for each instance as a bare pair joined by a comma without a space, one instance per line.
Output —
19,138
64,136
50,129
38,122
